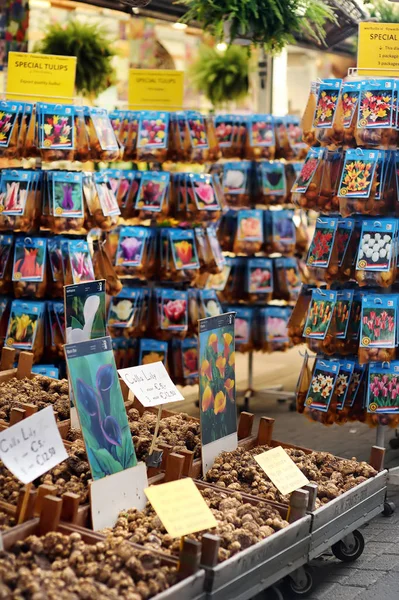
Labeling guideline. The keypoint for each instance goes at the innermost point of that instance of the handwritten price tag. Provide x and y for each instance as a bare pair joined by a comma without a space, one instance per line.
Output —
151,384
180,507
33,446
281,470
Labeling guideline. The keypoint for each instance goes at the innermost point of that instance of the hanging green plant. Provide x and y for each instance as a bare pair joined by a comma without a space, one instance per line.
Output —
221,76
90,44
268,23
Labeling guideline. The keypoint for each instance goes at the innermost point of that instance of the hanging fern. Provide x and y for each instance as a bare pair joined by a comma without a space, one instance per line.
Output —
91,46
268,23
384,11
221,76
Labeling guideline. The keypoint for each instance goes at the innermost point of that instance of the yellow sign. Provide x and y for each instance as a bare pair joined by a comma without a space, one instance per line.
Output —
378,49
41,77
281,470
156,89
180,507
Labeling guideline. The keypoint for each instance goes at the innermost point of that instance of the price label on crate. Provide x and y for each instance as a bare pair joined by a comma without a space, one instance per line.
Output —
180,507
151,384
281,470
33,446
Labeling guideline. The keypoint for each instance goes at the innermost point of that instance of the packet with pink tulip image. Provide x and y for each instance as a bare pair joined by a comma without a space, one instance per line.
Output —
102,139
78,266
249,235
243,327
378,325
10,111
261,141
153,135
274,330
383,388
172,312
202,197
259,280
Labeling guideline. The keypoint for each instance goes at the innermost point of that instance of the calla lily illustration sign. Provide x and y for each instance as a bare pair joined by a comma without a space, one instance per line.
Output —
217,388
99,401
85,311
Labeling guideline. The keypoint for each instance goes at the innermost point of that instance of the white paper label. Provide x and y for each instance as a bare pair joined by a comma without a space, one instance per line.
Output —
114,493
33,446
151,384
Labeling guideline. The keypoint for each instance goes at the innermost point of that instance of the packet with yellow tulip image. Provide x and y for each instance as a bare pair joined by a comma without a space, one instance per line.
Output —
217,391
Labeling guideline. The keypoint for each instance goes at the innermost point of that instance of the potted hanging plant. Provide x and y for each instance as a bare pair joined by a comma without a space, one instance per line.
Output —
268,23
221,76
94,52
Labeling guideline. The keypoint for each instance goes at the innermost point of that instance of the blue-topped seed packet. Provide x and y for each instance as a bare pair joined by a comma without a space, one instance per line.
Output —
23,324
320,312
236,177
343,235
9,112
346,368
80,261
106,196
131,245
184,250
343,310
67,194
358,173
204,191
383,388
327,101
273,178
56,126
322,385
210,303
319,254
197,129
289,266
243,323
249,226
152,351
46,370
189,350
350,94
14,187
376,103
123,308
283,227
173,308
377,245
103,128
262,131
378,321
153,129
308,169
276,323
153,188
6,242
259,276
29,259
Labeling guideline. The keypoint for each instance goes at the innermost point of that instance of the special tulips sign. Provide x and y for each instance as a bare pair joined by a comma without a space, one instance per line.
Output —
99,401
217,388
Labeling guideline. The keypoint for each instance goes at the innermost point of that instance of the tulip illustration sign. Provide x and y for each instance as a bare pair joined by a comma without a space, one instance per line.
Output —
100,406
217,387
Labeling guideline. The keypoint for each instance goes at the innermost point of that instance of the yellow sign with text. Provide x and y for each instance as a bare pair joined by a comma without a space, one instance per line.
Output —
378,49
156,89
41,77
180,507
281,470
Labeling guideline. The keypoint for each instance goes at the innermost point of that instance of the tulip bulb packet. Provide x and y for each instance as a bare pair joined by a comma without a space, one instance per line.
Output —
202,189
11,112
85,311
345,230
184,250
56,126
101,409
350,94
275,323
153,191
66,194
106,196
6,242
288,276
29,259
259,278
378,321
377,245
152,351
14,189
250,226
236,177
217,388
320,313
123,308
322,384
358,375
172,306
383,388
23,324
132,241
358,173
261,131
327,101
197,130
342,311
78,254
153,130
346,369
376,103
210,304
309,167
273,179
189,351
320,249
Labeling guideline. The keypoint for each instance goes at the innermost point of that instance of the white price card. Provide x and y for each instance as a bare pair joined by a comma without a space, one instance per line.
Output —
281,470
151,384
33,446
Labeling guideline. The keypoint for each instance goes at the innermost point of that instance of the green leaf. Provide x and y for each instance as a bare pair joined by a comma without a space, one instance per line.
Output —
75,324
106,462
98,329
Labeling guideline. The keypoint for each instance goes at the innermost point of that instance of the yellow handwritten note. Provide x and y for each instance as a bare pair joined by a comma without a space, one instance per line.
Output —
156,89
281,470
378,49
180,507
41,77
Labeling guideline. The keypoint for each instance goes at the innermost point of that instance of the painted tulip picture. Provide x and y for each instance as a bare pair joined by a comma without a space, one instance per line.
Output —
217,378
99,401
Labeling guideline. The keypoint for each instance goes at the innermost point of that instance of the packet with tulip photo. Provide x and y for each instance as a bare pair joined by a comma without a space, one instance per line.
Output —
275,328
185,361
321,247
56,131
376,116
6,264
153,194
249,235
152,351
124,314
77,262
153,136
272,182
319,328
217,391
18,210
359,183
305,191
328,115
25,330
261,140
29,271
378,327
383,388
259,279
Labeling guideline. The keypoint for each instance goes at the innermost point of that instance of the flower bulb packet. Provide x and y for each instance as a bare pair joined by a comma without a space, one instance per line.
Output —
320,314
376,115
173,310
119,121
29,270
249,236
243,327
6,264
236,183
310,166
102,139
185,367
259,279
23,324
123,309
79,265
345,229
328,115
350,94
14,188
287,278
275,328
261,140
121,181
272,182
210,304
46,371
11,113
346,368
323,382
343,310
202,196
55,331
320,249
67,193
295,137
131,246
153,193
153,135
280,232
358,173
383,388
378,327
376,258
56,131
107,198
152,351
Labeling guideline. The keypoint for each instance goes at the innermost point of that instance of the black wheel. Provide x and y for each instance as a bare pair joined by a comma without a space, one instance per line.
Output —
394,443
389,509
341,552
305,587
281,400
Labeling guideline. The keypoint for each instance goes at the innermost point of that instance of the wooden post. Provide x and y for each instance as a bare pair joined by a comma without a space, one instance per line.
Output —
188,461
25,363
30,409
245,423
43,491
16,415
174,467
50,515
154,439
377,456
26,504
265,431
312,489
210,550
166,448
70,507
189,559
298,505
21,516
7,359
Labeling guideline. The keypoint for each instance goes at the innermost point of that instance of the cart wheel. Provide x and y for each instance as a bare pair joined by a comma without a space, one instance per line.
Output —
341,552
394,443
274,593
304,588
389,509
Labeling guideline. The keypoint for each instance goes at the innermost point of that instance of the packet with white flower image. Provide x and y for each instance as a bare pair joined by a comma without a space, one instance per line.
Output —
321,391
123,311
378,328
376,258
236,183
346,368
210,304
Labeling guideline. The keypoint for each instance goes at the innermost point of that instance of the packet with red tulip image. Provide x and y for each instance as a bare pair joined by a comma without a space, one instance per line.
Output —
29,272
225,128
77,262
322,258
377,254
203,201
153,136
321,401
260,139
171,308
376,115
287,279
249,235
185,361
378,335
153,195
383,388
328,117
349,101
306,189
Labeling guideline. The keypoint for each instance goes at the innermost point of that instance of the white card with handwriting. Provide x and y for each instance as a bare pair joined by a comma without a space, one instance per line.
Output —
151,384
33,446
